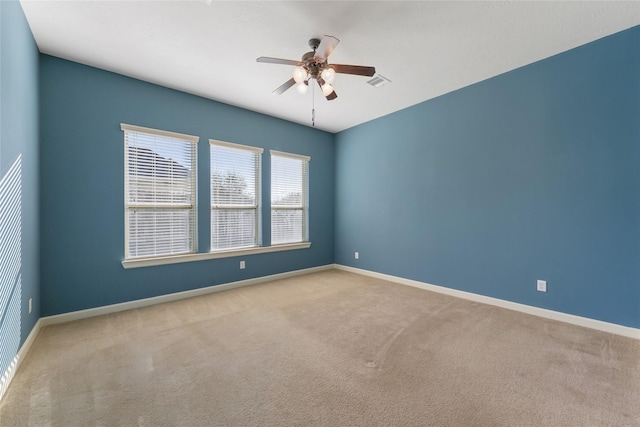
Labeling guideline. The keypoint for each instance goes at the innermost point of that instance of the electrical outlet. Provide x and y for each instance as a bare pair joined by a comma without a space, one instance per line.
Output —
242,265
357,255
542,285
30,305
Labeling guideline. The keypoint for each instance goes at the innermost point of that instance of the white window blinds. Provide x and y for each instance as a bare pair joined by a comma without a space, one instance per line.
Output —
235,195
160,192
289,198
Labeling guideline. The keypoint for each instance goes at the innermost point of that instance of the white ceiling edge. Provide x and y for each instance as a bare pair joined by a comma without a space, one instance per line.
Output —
426,49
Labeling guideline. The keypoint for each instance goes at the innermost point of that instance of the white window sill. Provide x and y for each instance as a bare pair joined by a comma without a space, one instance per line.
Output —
148,262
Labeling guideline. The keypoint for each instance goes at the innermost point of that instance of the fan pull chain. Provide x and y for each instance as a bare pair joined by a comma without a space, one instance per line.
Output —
313,105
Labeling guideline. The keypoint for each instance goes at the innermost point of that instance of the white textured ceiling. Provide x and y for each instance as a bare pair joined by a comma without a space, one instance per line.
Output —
425,48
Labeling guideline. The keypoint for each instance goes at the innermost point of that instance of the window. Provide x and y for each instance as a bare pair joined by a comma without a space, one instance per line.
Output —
235,201
289,198
160,192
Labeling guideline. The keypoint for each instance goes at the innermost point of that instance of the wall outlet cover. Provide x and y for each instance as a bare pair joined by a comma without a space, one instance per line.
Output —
542,285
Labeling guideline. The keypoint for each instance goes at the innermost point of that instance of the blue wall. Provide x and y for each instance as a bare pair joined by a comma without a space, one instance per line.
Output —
82,204
19,230
529,175
534,174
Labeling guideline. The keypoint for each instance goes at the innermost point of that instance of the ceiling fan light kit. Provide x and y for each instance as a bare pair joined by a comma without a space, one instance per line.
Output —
300,74
327,89
302,87
328,75
314,65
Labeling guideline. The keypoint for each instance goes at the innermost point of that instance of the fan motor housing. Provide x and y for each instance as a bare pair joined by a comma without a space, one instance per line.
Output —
313,67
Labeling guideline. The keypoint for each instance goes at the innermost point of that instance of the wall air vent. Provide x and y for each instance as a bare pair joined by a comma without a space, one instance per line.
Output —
378,80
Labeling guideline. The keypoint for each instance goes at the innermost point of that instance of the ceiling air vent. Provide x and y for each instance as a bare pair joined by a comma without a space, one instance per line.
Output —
378,80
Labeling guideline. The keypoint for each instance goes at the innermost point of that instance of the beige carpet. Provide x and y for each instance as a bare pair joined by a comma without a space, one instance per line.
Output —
330,348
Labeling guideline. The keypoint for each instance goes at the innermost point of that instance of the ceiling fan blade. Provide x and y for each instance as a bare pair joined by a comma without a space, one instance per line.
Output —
286,85
358,70
327,44
269,60
333,95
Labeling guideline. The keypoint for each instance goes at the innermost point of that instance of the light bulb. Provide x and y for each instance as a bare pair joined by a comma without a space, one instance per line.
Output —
328,75
327,89
302,87
299,74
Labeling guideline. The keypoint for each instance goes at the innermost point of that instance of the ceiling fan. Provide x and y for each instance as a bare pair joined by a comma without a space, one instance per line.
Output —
314,66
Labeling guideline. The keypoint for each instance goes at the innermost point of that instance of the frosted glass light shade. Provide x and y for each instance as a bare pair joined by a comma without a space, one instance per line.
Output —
328,75
302,88
327,89
299,74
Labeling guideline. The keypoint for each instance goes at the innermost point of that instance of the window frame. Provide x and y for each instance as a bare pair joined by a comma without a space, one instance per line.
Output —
201,256
304,208
192,206
257,206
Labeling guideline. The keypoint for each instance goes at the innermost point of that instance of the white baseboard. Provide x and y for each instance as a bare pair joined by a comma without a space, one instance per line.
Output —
536,311
114,308
11,370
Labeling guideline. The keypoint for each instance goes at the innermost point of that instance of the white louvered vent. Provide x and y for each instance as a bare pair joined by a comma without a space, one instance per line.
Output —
378,80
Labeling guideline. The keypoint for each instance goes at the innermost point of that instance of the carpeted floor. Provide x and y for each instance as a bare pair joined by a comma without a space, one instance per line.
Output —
332,349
